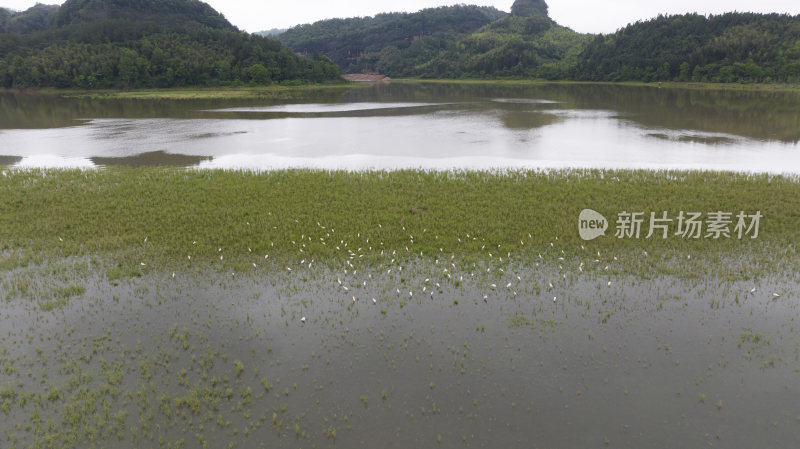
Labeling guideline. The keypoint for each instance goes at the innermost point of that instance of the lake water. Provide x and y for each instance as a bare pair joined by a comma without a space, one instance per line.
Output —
463,353
434,126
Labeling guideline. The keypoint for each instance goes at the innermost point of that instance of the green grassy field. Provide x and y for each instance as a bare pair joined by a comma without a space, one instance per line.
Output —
171,216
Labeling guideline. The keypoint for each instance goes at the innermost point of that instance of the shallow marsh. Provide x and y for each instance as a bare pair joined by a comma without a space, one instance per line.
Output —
445,309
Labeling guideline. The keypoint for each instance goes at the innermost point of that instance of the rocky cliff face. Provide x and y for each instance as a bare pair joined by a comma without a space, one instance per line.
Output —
529,8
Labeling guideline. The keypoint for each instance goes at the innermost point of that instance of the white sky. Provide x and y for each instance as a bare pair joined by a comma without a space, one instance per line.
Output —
586,16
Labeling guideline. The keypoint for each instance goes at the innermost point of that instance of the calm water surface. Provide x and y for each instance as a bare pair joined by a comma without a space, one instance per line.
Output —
415,126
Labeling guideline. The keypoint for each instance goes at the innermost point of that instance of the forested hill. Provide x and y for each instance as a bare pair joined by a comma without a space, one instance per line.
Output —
733,47
142,43
474,42
525,43
173,12
358,44
446,42
37,18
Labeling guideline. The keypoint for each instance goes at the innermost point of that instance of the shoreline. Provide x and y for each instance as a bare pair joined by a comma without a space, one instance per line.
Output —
755,87
288,92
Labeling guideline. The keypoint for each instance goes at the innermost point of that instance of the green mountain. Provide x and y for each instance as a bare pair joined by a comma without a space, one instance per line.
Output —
525,43
446,42
168,12
732,47
377,43
36,18
143,43
472,42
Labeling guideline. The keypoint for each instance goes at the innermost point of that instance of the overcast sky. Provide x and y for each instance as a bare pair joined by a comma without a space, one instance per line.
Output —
586,16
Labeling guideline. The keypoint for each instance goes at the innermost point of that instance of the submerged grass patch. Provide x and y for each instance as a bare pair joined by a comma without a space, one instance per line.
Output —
276,91
145,217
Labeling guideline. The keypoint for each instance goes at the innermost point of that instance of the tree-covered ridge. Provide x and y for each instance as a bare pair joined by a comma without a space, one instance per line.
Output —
174,12
370,43
36,18
530,45
732,47
118,49
447,42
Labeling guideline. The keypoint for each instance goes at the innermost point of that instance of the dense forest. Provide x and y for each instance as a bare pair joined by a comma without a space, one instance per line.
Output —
376,43
36,18
446,42
165,43
523,44
472,42
733,47
142,43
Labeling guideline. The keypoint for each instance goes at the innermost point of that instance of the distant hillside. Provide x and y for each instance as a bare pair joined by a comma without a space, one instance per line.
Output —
271,32
168,12
733,47
36,18
525,43
143,43
373,43
473,42
446,42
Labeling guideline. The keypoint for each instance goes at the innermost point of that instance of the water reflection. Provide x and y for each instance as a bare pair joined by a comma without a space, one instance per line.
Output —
695,138
312,108
416,125
152,159
9,160
528,120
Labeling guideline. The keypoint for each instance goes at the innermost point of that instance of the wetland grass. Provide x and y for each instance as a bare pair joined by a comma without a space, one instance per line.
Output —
281,92
142,218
